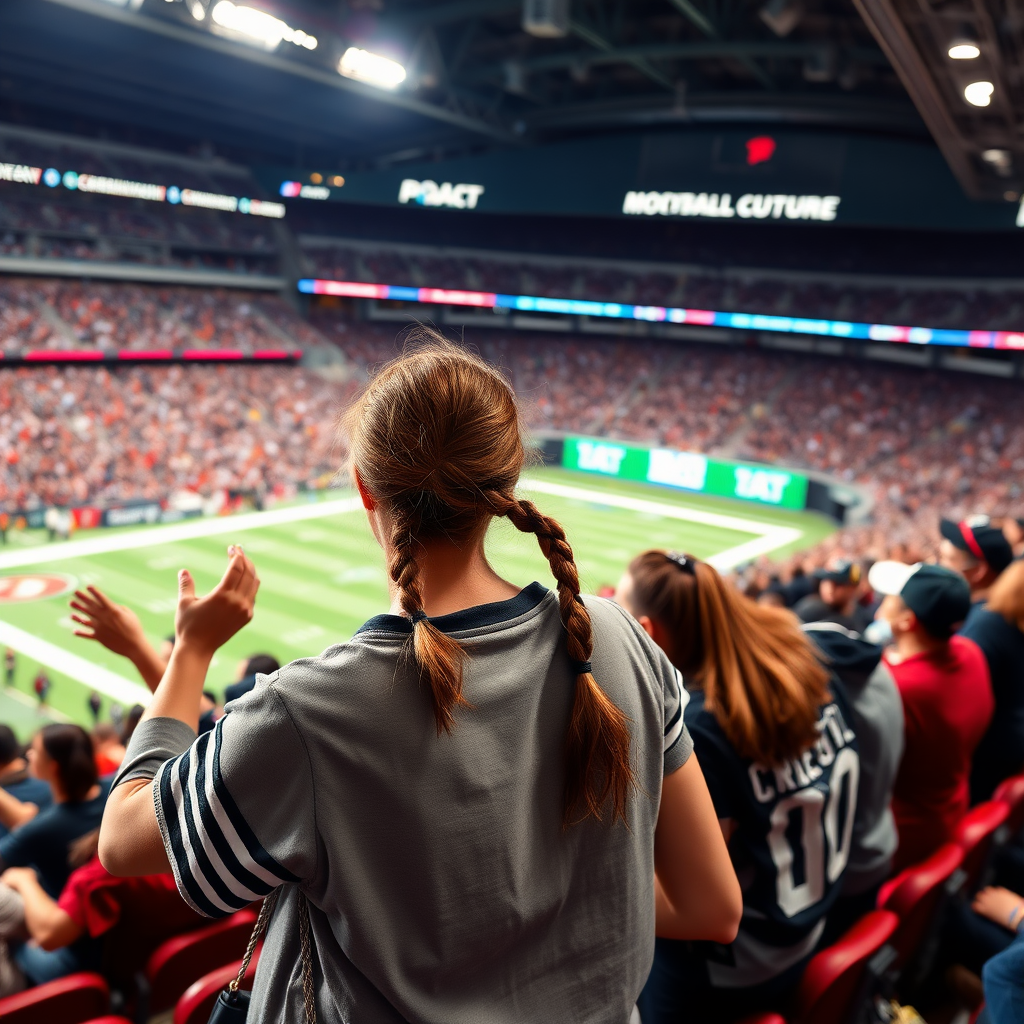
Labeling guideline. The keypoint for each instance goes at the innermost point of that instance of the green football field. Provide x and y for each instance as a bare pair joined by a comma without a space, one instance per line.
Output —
322,574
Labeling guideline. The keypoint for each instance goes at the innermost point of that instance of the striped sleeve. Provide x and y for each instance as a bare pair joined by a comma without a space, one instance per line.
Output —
235,810
678,744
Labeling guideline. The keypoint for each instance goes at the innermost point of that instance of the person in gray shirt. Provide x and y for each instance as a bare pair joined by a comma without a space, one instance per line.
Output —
474,794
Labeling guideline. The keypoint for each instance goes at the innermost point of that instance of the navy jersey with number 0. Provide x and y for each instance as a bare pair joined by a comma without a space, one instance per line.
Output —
794,826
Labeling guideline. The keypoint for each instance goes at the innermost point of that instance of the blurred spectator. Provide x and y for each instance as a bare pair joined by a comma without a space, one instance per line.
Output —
61,756
996,627
876,714
98,921
771,739
108,749
264,664
947,700
22,795
977,549
837,599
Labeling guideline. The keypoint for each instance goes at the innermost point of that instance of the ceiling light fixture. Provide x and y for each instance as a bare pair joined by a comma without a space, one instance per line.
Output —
254,26
371,68
198,9
979,94
961,50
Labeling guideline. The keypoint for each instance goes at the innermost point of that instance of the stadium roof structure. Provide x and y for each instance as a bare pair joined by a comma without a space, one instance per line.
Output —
476,78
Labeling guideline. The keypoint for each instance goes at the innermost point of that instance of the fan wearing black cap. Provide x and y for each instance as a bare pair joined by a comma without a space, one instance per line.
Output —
838,597
977,549
980,551
943,681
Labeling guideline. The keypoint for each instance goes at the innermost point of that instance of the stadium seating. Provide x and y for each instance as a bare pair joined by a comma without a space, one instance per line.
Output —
838,980
1011,792
196,1004
71,1000
180,961
976,834
916,896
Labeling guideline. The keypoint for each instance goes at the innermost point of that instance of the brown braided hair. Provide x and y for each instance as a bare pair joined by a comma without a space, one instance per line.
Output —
435,439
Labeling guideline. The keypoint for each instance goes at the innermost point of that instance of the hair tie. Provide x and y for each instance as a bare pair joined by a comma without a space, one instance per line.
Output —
418,616
685,562
581,668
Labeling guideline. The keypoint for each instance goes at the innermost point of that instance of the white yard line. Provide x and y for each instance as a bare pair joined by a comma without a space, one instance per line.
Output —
767,537
115,540
84,671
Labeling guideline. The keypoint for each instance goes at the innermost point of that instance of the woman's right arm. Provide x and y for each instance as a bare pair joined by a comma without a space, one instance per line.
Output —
698,896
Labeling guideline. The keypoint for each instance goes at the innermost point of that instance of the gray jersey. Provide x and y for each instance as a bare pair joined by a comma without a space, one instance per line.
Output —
442,885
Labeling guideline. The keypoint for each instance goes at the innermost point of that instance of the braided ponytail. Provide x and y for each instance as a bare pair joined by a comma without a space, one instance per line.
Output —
439,657
435,440
598,768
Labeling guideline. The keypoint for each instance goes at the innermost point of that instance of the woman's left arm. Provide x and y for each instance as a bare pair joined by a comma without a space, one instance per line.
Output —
130,839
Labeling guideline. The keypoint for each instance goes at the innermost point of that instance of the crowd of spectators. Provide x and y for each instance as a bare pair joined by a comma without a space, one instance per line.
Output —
954,305
914,441
89,436
873,700
71,314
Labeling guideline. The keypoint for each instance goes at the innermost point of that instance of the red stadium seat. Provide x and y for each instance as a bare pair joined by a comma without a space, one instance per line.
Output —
110,1020
915,896
975,835
761,1018
196,1005
181,960
1011,792
832,988
71,1000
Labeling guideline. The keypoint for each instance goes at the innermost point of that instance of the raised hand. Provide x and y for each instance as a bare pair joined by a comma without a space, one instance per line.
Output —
115,626
205,623
1000,905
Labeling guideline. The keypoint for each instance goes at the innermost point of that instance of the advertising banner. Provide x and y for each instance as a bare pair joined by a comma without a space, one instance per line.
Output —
723,175
689,471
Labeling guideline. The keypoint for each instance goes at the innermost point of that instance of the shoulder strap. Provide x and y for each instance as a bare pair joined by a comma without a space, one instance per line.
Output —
308,992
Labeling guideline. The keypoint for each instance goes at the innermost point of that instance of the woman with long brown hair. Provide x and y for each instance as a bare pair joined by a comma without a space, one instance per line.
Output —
467,801
782,766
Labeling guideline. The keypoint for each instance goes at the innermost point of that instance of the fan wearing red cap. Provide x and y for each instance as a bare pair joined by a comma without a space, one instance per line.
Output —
943,681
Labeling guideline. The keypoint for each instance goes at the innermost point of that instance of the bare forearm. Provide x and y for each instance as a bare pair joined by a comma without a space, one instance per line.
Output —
700,896
50,926
149,664
178,692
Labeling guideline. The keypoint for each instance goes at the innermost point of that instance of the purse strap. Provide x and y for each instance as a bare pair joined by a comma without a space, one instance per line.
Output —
306,952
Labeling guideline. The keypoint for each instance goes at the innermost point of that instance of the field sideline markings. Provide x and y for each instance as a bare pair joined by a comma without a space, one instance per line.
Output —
96,677
769,537
170,533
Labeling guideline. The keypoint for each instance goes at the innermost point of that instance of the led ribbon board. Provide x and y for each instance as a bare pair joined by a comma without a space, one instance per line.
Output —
675,315
689,471
127,189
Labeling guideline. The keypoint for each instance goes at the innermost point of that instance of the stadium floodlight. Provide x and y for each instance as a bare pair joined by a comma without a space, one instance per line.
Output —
198,9
961,50
371,68
258,27
979,94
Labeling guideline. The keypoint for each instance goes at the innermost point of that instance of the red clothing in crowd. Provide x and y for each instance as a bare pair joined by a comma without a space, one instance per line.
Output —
146,910
947,706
